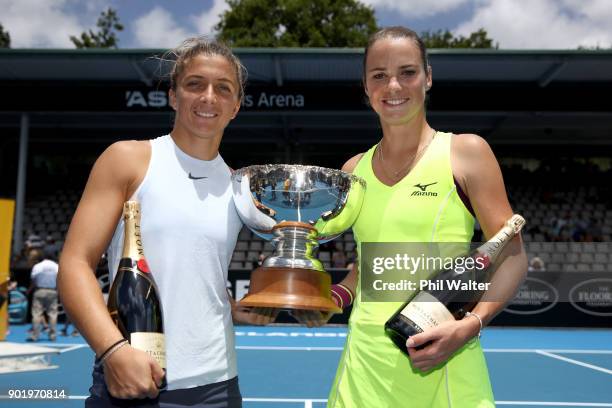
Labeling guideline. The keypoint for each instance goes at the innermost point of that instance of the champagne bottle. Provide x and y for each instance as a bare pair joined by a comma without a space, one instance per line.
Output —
133,300
428,308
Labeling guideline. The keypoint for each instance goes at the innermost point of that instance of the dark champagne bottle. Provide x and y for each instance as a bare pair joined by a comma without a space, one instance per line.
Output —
444,301
133,300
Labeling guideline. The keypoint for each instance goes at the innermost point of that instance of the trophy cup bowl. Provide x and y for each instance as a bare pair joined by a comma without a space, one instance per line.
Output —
297,208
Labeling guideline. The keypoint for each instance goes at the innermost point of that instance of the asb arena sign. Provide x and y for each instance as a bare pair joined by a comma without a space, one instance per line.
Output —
260,100
97,97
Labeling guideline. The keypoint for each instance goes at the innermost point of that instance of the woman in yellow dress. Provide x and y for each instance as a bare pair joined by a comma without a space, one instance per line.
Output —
463,182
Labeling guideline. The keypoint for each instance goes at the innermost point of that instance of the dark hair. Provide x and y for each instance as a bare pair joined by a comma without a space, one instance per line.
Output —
395,32
192,47
35,255
49,253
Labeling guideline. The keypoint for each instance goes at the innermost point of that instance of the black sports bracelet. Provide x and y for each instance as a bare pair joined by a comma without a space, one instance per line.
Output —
114,347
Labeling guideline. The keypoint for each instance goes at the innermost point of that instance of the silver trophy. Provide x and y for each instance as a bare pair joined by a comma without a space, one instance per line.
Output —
296,208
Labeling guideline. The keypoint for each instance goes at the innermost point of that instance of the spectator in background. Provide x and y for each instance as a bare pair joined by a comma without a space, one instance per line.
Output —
44,287
67,324
261,259
593,231
338,258
536,265
562,228
34,242
20,261
5,295
51,246
350,264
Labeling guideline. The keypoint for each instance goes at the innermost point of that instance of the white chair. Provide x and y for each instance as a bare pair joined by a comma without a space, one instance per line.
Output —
553,267
560,257
535,247
587,257
242,246
588,247
238,256
569,268
245,234
601,257
582,267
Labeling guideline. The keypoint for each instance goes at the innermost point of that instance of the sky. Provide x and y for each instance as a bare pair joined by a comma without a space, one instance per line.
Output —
513,24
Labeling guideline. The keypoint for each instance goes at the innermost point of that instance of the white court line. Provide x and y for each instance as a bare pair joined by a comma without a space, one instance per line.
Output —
493,350
555,403
74,347
572,361
74,397
308,402
576,351
290,348
58,345
304,400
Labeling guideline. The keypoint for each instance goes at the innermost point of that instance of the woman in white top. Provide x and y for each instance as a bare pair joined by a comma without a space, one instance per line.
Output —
189,228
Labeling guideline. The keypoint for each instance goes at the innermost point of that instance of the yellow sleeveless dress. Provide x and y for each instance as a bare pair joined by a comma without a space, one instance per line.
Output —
372,372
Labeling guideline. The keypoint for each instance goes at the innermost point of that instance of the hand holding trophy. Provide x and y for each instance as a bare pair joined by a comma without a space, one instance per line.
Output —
296,208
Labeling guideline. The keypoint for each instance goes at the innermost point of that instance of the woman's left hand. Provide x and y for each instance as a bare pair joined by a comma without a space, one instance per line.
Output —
443,341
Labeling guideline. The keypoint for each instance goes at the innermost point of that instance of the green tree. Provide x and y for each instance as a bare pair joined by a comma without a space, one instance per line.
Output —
106,37
596,47
446,39
296,23
5,38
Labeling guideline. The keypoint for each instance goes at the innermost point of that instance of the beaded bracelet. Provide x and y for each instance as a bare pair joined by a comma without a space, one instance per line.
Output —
479,320
342,295
109,351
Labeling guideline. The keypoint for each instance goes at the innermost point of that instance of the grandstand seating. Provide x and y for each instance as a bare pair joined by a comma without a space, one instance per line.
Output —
560,210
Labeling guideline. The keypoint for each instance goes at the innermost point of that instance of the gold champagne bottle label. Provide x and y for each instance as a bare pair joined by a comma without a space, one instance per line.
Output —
426,311
154,344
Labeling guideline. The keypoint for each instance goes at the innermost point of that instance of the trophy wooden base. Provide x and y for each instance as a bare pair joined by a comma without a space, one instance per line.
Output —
290,288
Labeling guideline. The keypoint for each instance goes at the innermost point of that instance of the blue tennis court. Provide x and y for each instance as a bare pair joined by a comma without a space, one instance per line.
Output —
293,367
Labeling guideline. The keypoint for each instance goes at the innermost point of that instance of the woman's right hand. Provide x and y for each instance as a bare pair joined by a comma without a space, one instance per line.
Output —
311,318
130,373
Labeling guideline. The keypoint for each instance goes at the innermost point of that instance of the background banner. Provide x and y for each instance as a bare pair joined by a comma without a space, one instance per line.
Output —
545,299
7,211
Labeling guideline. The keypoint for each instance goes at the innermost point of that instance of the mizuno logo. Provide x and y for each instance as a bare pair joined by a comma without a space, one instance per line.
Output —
423,187
422,190
196,178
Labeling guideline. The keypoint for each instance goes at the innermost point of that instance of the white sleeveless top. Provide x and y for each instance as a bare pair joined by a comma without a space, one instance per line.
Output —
189,228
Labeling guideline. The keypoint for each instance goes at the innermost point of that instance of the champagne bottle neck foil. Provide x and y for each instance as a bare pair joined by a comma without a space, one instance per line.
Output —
494,246
132,244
